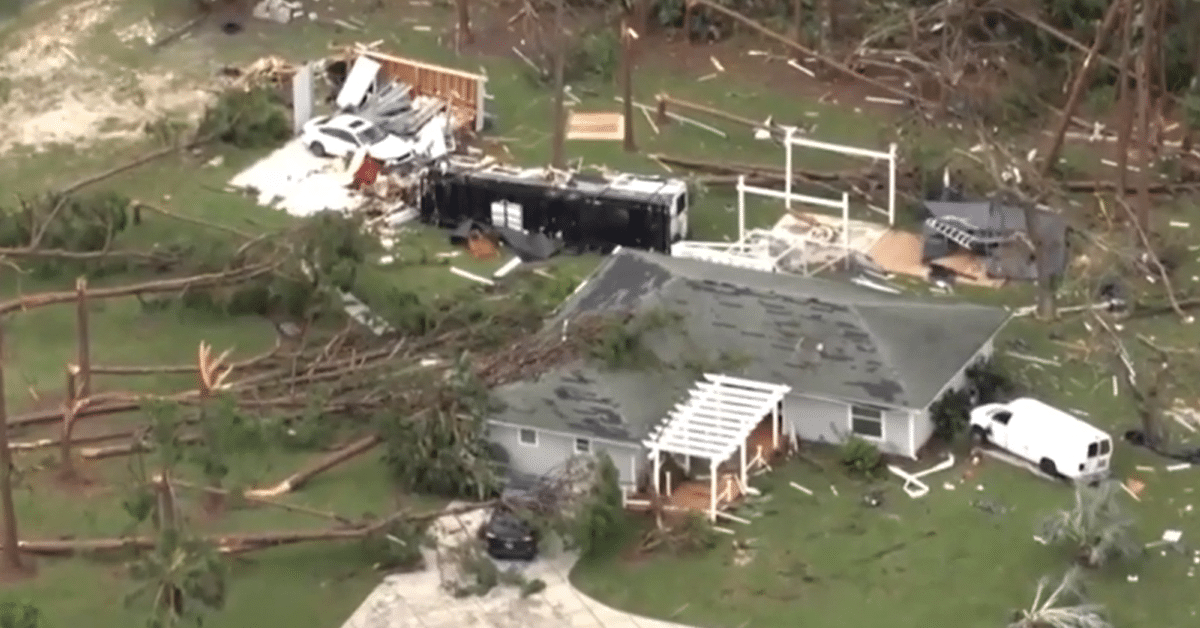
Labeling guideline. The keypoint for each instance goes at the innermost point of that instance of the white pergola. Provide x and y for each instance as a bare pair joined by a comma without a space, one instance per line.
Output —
714,422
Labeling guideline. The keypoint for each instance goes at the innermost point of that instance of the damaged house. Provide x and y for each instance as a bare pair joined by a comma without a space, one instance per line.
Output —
996,233
583,211
813,359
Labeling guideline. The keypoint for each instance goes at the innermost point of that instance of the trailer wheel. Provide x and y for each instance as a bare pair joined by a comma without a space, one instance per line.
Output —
1048,467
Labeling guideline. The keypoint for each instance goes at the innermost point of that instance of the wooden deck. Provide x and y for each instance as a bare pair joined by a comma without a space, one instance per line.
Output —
694,494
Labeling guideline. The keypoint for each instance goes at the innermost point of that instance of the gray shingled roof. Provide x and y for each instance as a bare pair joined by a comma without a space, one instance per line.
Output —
580,399
825,338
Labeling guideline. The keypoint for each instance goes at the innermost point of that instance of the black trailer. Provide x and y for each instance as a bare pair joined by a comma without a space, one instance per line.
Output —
585,212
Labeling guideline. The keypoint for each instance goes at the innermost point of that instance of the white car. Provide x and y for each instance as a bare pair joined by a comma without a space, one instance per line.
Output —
1057,442
342,135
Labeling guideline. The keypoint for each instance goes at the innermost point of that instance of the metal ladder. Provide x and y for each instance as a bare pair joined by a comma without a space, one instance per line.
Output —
959,232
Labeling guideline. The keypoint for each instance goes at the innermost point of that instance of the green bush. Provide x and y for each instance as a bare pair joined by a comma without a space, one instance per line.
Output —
861,457
951,414
254,118
990,383
602,520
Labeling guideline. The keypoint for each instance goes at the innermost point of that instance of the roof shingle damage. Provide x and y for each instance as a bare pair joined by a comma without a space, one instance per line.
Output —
821,337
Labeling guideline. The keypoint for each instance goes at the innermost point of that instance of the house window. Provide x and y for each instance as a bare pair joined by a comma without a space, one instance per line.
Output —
866,421
528,437
583,446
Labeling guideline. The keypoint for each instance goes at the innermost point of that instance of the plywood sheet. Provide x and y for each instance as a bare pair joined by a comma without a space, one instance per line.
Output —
595,126
900,252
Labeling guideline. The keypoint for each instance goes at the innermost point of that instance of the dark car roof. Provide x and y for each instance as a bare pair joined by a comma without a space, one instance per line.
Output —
505,523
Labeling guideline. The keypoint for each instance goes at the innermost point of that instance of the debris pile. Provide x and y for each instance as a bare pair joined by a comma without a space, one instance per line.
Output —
264,71
281,11
997,233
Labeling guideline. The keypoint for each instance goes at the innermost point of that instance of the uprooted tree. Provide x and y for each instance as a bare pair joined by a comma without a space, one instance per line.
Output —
1065,605
1095,525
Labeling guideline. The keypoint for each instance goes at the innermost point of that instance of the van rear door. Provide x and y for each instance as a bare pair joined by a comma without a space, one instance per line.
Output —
1099,453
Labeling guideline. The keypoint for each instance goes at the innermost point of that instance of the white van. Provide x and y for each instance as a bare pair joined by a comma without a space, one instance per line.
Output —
1058,443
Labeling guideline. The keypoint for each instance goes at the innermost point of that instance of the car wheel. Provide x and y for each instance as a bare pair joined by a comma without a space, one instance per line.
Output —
979,436
318,149
1048,467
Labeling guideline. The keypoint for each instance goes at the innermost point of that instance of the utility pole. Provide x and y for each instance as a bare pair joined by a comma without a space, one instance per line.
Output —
559,159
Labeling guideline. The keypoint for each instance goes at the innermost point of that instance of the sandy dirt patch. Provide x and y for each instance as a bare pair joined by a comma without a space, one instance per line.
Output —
64,90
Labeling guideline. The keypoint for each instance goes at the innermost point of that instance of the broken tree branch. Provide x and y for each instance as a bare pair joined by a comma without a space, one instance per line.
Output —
832,63
237,275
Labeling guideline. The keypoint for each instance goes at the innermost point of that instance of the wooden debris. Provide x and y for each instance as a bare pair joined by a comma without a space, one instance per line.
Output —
800,488
595,126
1031,358
472,276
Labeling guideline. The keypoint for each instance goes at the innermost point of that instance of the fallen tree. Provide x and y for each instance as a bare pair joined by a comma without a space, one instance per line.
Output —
241,542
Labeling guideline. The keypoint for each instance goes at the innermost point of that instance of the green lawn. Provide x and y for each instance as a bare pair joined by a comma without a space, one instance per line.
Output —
816,564
994,562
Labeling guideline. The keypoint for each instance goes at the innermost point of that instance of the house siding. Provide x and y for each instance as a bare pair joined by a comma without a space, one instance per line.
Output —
827,421
922,423
553,449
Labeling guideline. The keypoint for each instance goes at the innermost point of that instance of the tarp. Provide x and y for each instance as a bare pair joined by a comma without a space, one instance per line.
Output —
530,247
358,81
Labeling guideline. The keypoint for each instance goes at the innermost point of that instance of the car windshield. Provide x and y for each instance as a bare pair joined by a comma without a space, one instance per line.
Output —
371,135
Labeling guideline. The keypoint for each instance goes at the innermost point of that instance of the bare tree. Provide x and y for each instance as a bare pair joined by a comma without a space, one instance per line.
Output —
1065,606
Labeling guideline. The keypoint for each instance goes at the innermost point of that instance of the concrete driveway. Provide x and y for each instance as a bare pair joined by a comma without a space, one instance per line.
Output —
418,600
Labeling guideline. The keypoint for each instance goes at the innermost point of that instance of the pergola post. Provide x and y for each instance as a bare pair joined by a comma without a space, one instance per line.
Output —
787,167
712,494
657,469
775,428
742,451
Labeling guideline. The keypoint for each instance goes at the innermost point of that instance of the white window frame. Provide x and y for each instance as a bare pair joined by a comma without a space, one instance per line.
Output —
850,411
587,445
521,432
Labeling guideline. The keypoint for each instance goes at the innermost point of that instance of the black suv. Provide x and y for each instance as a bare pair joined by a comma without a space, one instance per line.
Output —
507,536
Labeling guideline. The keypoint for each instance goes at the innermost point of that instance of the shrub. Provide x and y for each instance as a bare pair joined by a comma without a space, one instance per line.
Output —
247,119
602,519
861,458
951,414
989,383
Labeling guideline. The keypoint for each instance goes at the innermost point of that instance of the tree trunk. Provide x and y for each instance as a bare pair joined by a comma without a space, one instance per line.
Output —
798,21
1143,153
11,552
1082,78
1047,290
826,25
68,422
627,85
320,465
465,36
84,351
558,158
1125,106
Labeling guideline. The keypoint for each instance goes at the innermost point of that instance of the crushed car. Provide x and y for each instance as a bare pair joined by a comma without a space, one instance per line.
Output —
343,135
